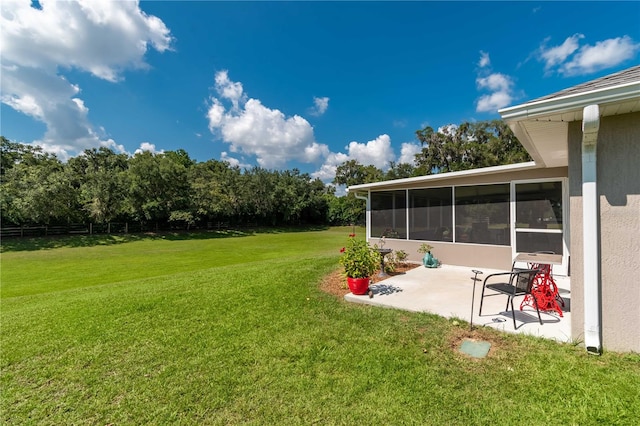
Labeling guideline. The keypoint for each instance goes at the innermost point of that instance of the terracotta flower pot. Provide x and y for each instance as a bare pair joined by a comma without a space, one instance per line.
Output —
358,286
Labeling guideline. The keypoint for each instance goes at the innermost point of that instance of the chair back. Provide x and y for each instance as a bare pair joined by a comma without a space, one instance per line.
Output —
525,279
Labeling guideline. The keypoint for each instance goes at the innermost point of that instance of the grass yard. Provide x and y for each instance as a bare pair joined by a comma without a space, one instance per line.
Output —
230,328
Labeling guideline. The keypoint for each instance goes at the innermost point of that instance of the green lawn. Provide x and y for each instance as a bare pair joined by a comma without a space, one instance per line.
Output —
231,328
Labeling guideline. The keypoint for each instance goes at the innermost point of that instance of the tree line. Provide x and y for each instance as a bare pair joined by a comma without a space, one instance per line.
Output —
170,188
167,188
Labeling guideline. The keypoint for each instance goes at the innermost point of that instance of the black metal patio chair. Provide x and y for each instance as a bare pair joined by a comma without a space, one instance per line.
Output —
517,282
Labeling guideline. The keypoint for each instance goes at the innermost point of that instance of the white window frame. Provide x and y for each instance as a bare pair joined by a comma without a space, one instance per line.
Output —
562,269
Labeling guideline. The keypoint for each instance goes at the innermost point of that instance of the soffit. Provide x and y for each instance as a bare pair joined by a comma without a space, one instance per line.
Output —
546,141
542,125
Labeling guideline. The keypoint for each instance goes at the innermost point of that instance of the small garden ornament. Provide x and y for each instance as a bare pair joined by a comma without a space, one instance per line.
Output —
428,260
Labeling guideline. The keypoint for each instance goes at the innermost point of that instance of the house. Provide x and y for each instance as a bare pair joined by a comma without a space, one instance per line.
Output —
579,197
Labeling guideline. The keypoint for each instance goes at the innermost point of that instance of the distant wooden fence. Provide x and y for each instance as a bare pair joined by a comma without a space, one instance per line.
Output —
69,229
109,228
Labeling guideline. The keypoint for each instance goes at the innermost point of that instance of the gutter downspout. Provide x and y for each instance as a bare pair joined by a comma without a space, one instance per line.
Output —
360,197
366,213
590,228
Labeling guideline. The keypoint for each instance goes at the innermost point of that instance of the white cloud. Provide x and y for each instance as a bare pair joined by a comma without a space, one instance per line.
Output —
602,55
253,129
215,114
320,106
54,101
570,58
314,152
250,128
100,37
227,89
558,54
493,101
484,60
377,152
234,162
408,152
495,82
146,146
501,88
110,143
327,171
26,104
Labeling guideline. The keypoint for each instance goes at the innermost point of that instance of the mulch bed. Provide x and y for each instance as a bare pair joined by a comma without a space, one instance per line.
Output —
336,283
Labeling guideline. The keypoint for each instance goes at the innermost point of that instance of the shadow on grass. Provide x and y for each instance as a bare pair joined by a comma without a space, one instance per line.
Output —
15,244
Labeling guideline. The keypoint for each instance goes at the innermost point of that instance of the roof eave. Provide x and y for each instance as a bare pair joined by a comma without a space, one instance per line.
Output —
441,176
572,102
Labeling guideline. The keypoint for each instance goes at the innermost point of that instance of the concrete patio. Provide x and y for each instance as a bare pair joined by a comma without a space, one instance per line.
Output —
447,291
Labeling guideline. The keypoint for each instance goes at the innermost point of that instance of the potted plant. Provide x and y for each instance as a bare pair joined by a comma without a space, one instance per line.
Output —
360,261
428,260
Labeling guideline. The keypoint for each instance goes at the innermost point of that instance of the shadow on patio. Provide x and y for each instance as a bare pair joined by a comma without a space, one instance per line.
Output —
446,291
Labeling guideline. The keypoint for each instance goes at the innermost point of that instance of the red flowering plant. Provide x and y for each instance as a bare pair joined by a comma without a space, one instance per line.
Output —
359,259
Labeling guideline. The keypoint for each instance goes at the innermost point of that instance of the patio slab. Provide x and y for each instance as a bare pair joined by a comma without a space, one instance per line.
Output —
447,291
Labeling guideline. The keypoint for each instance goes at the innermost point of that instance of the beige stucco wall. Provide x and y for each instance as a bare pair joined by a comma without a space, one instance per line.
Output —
618,180
476,255
473,255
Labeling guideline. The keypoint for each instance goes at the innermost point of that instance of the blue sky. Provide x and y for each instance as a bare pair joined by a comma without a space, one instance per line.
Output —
290,84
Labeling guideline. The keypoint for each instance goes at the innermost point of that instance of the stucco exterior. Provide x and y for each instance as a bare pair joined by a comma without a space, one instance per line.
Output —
618,180
459,254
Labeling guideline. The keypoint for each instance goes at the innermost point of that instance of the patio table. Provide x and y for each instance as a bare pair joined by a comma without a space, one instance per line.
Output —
544,288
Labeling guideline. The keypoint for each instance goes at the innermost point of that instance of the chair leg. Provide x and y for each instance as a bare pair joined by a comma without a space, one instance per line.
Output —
513,313
481,300
535,303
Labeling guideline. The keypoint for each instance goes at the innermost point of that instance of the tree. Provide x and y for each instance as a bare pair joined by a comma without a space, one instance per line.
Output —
12,153
101,185
297,196
213,190
351,172
180,156
349,209
37,188
468,146
257,194
157,186
345,210
317,206
100,173
399,171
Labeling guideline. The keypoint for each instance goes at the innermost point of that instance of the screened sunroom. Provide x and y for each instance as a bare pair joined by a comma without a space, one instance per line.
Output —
473,218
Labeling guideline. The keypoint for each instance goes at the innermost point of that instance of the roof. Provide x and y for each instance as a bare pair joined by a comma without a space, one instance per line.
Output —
541,124
390,184
628,76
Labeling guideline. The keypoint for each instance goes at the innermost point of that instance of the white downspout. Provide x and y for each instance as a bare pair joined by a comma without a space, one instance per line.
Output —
367,216
590,229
